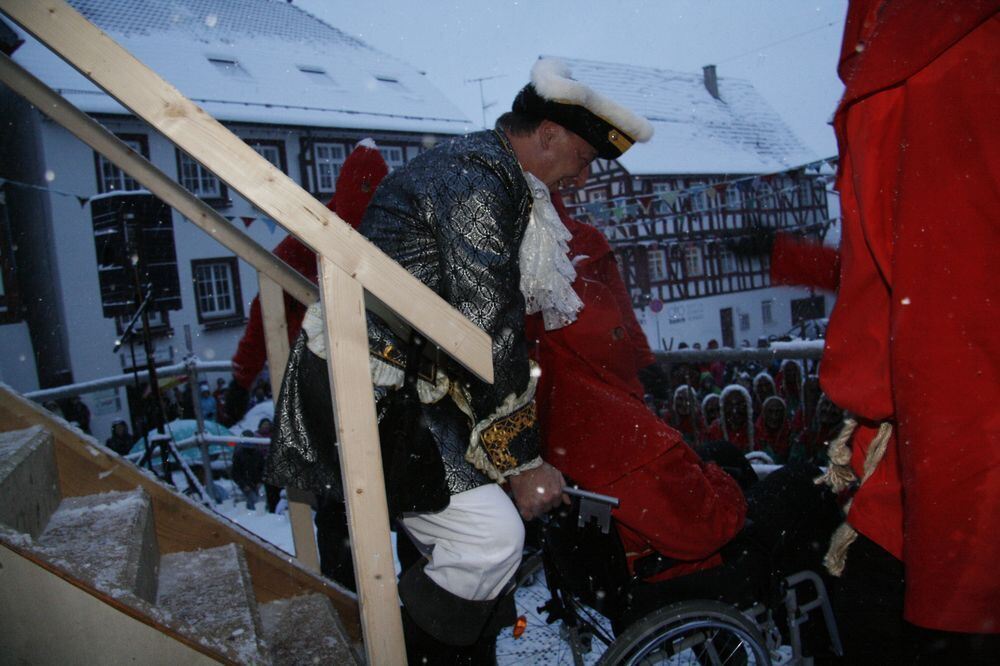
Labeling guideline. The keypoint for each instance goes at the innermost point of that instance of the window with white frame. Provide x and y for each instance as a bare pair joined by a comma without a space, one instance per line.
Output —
766,312
697,197
733,197
271,152
657,260
393,156
112,179
329,158
197,179
663,197
693,265
217,289
159,322
744,321
727,261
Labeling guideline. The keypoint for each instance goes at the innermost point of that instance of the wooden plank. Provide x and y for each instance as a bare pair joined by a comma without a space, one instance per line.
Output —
201,214
272,310
361,464
48,616
154,100
85,467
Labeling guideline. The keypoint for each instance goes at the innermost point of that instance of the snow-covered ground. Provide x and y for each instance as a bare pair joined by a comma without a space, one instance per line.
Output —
541,643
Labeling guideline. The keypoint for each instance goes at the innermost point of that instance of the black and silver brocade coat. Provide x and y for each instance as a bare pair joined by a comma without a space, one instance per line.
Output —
454,217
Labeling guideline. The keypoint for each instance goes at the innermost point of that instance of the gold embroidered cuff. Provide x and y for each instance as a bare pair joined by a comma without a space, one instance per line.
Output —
497,437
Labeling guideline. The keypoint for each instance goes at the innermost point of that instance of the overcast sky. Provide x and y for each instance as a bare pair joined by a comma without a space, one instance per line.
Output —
787,48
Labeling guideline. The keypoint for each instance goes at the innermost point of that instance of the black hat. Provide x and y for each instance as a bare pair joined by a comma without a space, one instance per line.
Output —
554,95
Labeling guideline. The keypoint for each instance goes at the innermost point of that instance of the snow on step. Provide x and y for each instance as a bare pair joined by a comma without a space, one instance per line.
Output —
106,539
210,591
29,483
304,630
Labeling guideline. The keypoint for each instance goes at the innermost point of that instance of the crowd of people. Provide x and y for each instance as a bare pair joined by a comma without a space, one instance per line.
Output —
215,403
778,409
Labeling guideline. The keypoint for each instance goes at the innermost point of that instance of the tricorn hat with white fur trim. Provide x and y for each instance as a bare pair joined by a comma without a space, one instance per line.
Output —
553,94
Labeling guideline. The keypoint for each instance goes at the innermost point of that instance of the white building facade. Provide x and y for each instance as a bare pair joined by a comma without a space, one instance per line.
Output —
297,90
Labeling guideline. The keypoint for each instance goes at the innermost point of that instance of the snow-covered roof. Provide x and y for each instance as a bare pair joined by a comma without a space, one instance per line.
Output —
256,61
695,132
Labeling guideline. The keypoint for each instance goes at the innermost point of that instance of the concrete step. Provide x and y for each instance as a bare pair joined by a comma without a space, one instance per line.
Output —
303,631
106,539
210,592
29,482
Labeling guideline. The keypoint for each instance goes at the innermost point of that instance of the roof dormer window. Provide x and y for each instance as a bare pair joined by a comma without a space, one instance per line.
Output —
229,67
317,75
391,83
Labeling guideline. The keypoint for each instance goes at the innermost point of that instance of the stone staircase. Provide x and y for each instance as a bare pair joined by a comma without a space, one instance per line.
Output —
235,600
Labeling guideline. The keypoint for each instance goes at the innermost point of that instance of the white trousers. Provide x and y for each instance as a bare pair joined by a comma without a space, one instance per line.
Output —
474,545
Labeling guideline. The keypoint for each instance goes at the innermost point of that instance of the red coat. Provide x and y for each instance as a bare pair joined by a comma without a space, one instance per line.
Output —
598,431
913,339
360,174
798,261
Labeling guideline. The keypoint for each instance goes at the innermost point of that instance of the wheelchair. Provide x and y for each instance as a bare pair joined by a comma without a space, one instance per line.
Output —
591,587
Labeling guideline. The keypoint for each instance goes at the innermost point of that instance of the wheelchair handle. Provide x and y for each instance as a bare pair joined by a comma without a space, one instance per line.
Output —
594,497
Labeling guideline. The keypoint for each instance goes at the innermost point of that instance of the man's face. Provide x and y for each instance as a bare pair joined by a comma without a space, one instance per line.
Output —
566,154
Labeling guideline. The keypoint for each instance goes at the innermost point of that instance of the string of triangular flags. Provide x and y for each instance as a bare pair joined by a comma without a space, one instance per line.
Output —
248,220
632,205
82,200
685,238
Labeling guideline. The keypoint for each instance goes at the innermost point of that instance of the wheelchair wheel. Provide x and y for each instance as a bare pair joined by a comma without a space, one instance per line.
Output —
703,633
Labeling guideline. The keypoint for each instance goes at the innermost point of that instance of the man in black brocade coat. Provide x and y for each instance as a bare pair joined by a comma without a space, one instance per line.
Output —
455,217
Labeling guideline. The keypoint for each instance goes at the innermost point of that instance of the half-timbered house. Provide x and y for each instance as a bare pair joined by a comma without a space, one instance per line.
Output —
721,164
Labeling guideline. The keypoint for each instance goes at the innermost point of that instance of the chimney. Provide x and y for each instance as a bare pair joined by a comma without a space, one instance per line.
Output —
711,82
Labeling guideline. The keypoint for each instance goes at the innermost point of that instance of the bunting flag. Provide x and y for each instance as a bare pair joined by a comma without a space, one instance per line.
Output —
82,200
247,221
669,198
270,224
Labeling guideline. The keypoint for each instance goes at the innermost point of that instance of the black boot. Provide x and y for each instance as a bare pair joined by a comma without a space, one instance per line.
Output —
422,649
441,628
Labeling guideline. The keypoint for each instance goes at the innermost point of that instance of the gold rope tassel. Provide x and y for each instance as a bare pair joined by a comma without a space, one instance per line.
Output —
839,475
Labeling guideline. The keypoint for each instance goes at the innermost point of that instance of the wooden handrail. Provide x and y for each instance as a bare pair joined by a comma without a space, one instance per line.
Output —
84,46
351,270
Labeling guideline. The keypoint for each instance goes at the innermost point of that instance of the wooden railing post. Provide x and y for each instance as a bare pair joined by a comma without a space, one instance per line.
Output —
272,311
361,463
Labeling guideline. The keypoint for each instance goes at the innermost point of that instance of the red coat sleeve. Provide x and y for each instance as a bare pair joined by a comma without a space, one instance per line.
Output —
251,352
802,262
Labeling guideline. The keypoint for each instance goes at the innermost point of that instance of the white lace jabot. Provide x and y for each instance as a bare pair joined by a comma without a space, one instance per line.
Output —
547,274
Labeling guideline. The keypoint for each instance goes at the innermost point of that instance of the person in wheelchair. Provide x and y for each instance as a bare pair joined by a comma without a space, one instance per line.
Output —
680,513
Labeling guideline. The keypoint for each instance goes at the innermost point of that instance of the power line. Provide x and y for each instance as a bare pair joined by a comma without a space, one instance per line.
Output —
780,41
